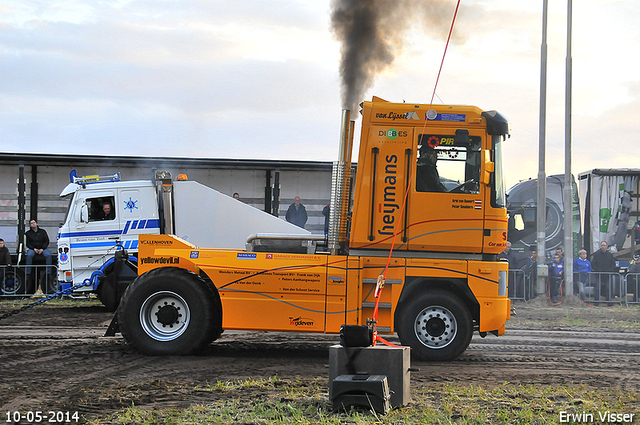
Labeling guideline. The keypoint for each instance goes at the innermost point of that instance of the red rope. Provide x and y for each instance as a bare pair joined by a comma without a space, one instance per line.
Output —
383,276
446,46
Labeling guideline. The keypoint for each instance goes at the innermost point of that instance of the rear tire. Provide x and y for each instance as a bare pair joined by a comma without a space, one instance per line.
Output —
169,311
436,325
14,283
107,290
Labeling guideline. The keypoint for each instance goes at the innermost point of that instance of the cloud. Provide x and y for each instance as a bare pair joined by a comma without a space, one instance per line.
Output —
257,79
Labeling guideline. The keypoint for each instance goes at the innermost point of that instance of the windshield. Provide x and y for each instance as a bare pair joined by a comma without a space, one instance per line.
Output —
69,199
499,182
448,163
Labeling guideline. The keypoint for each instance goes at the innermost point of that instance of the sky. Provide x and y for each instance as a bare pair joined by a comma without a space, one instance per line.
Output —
259,79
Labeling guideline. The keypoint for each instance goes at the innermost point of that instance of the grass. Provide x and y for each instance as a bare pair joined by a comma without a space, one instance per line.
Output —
276,401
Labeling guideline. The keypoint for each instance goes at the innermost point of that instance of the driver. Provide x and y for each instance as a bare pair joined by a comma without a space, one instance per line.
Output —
427,178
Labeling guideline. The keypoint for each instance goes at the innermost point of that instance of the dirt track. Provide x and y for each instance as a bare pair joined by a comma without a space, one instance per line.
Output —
47,363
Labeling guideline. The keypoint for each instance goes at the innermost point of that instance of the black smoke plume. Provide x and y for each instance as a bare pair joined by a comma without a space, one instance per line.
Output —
371,32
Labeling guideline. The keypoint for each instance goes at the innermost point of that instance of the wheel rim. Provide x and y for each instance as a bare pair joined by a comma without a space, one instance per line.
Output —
11,284
435,327
165,316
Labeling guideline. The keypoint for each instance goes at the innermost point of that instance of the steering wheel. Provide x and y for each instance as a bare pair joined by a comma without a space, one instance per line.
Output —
459,187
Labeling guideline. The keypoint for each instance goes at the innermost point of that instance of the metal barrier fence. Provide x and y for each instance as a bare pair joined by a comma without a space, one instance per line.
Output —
520,285
593,287
600,286
24,281
632,288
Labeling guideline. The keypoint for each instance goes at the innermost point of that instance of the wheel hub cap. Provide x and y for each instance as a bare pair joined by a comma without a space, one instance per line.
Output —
168,315
165,316
435,327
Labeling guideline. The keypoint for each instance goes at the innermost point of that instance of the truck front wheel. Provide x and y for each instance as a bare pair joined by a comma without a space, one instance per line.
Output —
169,311
437,326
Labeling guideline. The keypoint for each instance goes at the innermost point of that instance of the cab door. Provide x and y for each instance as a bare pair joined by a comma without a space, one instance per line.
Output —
446,200
92,233
378,211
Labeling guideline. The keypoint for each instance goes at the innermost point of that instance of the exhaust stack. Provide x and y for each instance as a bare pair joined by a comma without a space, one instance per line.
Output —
164,191
340,179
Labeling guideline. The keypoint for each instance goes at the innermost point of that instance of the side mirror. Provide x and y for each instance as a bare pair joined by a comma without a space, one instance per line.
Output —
84,213
489,167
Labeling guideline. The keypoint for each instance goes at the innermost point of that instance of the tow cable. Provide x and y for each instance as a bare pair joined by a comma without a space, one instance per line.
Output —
87,282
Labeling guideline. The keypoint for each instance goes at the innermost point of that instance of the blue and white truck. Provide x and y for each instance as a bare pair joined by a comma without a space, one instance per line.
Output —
89,239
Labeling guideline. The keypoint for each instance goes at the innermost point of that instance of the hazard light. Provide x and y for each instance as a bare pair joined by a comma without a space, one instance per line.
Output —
182,177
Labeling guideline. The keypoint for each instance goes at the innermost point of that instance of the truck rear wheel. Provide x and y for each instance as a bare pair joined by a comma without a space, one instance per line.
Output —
437,326
169,311
14,282
107,294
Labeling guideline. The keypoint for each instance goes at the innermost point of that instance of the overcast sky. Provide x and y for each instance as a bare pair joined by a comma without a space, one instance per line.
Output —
260,79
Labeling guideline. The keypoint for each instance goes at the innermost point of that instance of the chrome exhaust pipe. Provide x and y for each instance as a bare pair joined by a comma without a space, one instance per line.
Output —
340,177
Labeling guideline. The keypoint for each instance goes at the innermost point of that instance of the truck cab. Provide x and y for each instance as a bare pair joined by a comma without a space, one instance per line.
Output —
89,236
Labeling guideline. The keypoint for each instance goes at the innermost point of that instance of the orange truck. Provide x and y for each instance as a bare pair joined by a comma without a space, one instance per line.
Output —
429,182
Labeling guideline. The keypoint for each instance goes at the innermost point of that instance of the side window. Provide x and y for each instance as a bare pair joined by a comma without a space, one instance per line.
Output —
448,163
101,209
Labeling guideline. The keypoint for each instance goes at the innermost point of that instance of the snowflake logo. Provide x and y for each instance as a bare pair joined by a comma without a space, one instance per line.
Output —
130,205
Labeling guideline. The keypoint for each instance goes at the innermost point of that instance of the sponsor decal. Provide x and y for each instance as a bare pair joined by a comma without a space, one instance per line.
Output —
399,115
130,205
269,256
194,254
392,133
301,322
446,117
154,242
160,260
389,206
305,257
478,204
246,256
63,254
335,279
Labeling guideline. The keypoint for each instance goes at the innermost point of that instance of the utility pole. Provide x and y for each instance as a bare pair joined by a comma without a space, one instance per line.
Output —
567,190
542,178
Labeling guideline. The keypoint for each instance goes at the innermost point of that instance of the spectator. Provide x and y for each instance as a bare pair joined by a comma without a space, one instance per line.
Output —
5,260
508,255
636,233
297,213
556,275
581,270
236,195
634,277
37,243
635,266
602,261
560,252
